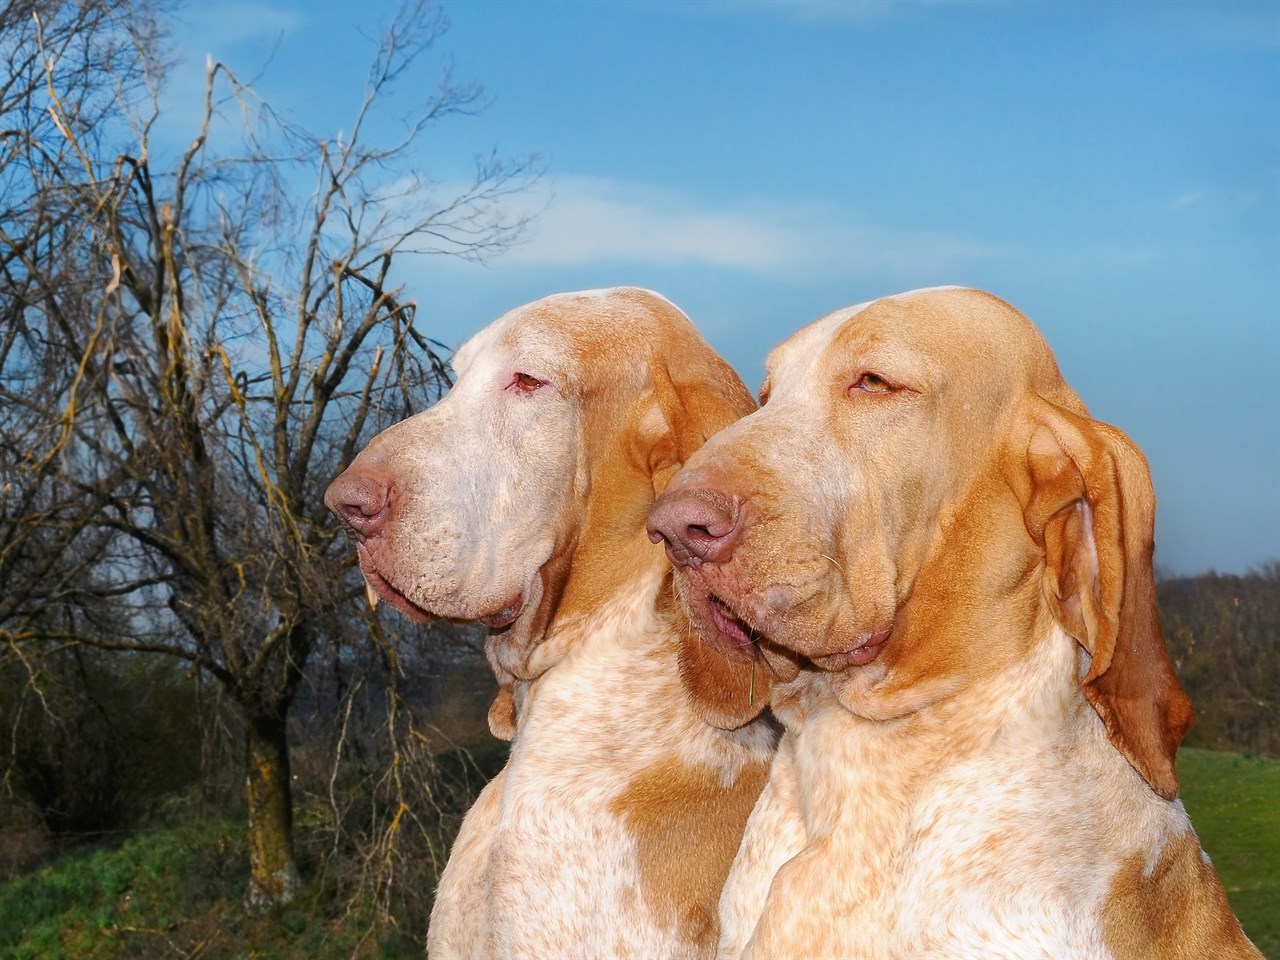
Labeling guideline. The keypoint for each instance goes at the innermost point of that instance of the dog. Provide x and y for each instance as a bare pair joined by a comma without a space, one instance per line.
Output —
937,568
519,500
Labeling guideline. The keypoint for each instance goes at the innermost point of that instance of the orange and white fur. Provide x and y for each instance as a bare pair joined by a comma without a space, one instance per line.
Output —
520,500
936,566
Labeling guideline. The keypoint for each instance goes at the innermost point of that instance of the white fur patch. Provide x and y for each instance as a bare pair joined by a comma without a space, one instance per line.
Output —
981,858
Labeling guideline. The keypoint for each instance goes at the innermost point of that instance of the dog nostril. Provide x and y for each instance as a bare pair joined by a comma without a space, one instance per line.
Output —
697,525
361,500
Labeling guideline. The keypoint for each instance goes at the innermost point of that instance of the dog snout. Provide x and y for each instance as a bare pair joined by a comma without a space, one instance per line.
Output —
361,498
697,524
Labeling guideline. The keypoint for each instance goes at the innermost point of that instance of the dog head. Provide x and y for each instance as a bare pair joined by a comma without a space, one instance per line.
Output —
521,496
918,500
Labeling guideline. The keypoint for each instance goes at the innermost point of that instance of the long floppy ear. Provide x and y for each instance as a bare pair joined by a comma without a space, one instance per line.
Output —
1092,509
725,693
697,395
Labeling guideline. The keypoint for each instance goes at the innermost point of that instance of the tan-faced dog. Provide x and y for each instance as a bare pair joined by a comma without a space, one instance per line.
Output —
937,567
520,500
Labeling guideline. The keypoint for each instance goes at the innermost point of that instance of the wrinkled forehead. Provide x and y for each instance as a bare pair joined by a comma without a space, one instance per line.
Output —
515,329
798,357
579,331
922,332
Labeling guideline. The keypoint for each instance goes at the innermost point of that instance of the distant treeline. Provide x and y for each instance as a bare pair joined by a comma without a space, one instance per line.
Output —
1223,633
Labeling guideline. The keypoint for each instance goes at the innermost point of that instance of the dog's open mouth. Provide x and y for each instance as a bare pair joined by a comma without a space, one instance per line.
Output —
729,631
721,626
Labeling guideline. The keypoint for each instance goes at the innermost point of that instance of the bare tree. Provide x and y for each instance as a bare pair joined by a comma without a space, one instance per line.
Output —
76,49
233,337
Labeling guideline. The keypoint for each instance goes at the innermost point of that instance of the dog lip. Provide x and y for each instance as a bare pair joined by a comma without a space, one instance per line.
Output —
858,656
393,596
729,623
506,616
722,628
495,621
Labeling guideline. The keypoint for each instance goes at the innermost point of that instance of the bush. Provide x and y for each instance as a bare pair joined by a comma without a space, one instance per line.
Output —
99,739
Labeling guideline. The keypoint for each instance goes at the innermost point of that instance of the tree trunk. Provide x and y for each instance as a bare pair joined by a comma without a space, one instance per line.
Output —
273,873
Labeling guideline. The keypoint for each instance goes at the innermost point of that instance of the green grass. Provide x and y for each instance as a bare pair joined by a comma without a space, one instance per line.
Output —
1234,803
174,893
119,901
178,892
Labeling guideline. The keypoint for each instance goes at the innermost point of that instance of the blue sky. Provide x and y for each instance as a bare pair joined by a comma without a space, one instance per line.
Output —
1111,169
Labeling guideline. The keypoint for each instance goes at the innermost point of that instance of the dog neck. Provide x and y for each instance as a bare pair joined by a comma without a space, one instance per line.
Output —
604,727
1033,702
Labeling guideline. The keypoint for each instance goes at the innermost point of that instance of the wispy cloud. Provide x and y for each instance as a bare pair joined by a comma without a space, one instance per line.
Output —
858,13
593,220
219,26
1232,198
241,35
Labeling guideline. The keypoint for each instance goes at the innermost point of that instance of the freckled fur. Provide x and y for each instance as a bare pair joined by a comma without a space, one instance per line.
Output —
498,493
998,781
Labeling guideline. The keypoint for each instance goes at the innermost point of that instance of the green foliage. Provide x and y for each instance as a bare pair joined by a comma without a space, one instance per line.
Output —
179,892
96,903
106,737
1234,801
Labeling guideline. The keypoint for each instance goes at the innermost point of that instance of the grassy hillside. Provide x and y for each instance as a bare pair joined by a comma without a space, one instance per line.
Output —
172,893
1234,802
177,893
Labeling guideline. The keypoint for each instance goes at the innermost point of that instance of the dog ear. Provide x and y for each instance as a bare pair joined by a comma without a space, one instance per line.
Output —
696,395
1092,510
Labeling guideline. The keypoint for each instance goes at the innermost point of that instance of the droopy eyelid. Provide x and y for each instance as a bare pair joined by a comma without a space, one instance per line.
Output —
525,382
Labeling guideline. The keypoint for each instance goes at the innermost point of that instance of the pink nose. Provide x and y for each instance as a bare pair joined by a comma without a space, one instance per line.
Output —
360,496
698,525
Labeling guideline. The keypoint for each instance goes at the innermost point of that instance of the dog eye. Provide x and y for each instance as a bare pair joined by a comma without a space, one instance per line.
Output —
525,383
873,383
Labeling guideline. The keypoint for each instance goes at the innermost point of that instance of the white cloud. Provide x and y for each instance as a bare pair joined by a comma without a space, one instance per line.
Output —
597,220
593,221
853,12
1233,198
